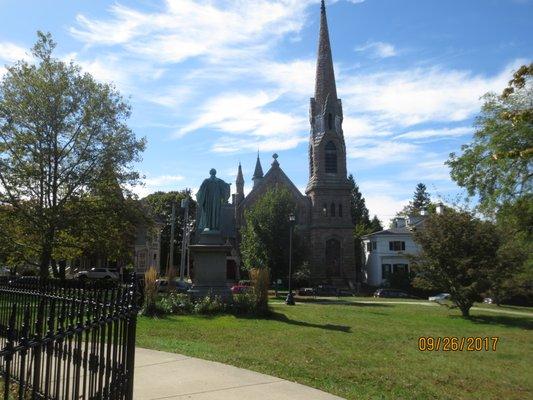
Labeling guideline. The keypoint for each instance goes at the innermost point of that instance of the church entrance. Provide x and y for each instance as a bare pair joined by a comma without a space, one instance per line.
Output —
333,258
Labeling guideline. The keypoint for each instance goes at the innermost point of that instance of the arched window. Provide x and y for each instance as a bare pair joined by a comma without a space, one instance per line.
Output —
340,210
331,158
311,166
333,258
330,121
325,210
332,208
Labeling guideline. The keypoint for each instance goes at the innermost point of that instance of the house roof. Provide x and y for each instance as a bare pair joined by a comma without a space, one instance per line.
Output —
390,231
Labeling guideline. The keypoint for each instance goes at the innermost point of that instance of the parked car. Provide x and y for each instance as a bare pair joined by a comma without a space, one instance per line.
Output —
391,293
326,290
239,289
179,286
99,273
488,300
306,291
4,271
440,297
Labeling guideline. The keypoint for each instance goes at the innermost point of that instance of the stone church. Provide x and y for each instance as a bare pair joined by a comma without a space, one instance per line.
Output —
323,213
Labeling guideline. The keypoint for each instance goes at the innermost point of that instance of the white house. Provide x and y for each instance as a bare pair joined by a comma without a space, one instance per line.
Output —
147,248
387,251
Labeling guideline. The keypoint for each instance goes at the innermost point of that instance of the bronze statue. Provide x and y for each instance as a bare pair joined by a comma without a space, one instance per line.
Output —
212,194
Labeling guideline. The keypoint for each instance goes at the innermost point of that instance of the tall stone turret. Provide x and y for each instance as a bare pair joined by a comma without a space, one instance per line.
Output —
258,172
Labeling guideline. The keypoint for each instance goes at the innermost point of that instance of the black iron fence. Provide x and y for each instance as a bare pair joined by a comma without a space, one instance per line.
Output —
67,340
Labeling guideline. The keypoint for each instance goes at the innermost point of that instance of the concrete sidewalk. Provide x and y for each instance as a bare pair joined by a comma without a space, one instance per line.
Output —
160,375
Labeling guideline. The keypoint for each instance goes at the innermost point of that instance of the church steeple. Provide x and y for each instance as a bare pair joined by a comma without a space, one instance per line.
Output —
325,88
239,183
258,172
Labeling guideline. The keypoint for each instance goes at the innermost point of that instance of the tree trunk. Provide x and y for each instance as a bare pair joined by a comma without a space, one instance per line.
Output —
465,310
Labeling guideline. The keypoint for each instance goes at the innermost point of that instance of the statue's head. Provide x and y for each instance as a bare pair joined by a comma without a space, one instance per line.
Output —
213,172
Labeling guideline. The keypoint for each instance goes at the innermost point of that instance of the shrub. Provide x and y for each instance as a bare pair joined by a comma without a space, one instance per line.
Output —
177,303
244,303
210,305
260,279
150,292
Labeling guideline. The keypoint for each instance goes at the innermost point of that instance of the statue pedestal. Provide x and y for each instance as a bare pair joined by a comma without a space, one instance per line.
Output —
209,257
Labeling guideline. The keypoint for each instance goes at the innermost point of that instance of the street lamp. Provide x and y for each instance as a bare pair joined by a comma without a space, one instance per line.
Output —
290,298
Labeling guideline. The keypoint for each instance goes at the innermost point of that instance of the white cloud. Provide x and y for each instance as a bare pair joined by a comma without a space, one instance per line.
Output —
249,121
186,28
443,133
385,206
157,183
378,49
10,52
381,151
413,96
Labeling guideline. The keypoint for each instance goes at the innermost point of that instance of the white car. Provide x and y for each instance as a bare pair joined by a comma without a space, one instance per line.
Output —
99,273
4,271
440,297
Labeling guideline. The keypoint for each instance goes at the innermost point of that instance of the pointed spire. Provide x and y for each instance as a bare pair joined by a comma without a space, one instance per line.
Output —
240,178
325,76
258,172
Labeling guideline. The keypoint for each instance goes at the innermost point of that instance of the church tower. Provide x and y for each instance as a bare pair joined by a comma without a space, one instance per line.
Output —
331,230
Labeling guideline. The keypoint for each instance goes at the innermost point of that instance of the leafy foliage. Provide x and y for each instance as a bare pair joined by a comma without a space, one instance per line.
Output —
58,129
497,165
458,254
160,204
265,234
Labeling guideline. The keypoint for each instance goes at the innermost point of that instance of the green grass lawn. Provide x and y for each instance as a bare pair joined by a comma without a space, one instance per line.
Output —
361,351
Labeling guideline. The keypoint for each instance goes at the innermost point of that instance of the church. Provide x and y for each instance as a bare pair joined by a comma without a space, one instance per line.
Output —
323,213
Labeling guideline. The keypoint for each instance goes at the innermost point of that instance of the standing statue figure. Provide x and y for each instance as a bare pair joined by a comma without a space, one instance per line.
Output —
212,194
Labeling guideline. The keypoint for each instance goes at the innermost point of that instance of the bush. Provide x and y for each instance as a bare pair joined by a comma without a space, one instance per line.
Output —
150,292
210,305
244,303
260,279
177,303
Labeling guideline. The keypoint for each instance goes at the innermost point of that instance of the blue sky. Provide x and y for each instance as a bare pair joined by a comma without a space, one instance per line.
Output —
211,82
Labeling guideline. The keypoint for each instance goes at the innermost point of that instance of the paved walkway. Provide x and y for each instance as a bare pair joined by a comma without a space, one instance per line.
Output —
160,375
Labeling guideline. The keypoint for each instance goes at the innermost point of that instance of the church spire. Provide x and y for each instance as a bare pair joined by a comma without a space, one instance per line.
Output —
325,76
258,172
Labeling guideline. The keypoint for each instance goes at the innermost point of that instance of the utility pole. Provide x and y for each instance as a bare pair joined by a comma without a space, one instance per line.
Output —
185,206
172,229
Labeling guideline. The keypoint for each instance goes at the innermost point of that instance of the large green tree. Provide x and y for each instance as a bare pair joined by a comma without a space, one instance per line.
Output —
498,164
58,126
160,204
459,253
265,234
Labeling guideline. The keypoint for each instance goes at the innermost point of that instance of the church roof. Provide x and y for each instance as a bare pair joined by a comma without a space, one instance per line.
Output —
258,172
240,177
325,88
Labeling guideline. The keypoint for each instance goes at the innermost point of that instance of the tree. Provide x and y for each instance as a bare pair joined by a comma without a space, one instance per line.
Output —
421,198
458,253
160,204
58,126
497,165
363,224
265,234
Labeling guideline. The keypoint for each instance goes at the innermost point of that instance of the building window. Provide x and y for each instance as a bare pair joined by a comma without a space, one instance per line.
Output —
340,210
401,268
371,246
396,246
332,209
325,210
331,158
386,270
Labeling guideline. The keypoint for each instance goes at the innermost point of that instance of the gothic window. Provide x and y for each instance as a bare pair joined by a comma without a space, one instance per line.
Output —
332,208
330,121
311,166
340,210
325,210
331,158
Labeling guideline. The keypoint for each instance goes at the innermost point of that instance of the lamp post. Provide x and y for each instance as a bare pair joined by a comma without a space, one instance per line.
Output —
290,298
185,206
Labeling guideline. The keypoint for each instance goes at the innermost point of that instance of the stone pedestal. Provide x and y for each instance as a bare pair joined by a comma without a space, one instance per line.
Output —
209,257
